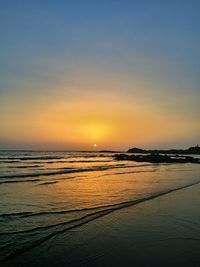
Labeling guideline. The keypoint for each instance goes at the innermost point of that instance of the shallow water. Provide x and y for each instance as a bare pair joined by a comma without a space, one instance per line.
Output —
47,193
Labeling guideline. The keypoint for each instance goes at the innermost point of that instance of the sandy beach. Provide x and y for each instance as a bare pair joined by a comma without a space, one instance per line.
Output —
159,232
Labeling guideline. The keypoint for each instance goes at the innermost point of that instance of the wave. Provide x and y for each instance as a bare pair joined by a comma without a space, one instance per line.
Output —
108,174
39,180
25,167
66,170
74,223
30,214
87,161
52,157
129,172
19,181
46,162
47,183
10,161
34,158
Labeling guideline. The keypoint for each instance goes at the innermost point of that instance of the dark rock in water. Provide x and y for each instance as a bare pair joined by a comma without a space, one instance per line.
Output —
191,150
157,158
108,151
194,150
136,150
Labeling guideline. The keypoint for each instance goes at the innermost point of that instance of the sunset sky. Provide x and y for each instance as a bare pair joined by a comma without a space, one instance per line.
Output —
115,73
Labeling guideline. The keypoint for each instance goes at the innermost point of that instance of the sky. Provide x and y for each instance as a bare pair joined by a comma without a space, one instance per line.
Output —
117,74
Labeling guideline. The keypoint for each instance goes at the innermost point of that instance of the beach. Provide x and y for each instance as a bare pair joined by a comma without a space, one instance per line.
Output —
87,209
160,232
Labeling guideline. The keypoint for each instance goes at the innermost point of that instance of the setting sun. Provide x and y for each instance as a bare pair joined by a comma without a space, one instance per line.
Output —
99,121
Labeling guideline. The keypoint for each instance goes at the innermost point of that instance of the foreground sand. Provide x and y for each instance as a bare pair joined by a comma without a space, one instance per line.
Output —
160,232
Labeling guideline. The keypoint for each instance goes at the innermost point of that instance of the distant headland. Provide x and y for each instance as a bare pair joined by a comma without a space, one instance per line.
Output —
161,156
191,150
157,158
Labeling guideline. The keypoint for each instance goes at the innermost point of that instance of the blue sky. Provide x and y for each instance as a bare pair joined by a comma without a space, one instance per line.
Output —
140,52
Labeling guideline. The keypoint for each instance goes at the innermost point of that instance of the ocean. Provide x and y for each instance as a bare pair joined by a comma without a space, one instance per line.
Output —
47,193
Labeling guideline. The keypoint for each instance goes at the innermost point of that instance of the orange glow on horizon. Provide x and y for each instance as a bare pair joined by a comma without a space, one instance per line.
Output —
81,123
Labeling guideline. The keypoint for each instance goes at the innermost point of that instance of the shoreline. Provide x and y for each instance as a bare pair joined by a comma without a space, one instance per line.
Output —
165,226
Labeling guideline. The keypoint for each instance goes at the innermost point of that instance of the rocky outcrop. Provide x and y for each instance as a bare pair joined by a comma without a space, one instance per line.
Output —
157,158
192,150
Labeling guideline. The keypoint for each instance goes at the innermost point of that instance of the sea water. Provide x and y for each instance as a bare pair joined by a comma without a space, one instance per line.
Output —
43,193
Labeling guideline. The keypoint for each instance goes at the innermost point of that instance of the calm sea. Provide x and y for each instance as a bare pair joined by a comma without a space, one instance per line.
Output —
46,193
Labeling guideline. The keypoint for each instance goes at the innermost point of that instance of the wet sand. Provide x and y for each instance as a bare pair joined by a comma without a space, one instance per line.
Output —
160,232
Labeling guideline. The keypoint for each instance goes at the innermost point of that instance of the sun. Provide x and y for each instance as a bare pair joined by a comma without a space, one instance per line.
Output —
95,145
